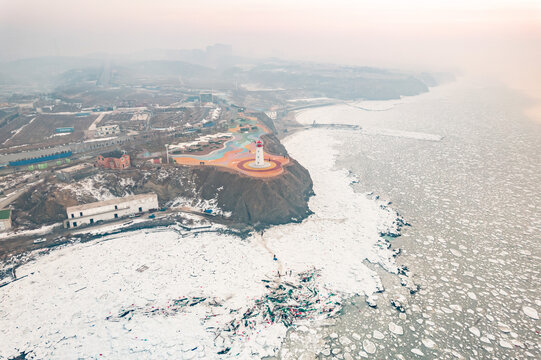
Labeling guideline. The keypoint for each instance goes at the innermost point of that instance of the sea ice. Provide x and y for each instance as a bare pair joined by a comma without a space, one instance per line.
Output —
475,331
531,312
395,329
369,346
455,252
505,344
428,343
94,290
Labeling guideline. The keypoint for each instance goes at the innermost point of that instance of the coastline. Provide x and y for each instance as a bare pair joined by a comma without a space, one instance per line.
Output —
464,243
298,246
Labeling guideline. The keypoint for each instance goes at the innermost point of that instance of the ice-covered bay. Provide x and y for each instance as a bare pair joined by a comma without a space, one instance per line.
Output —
118,297
473,202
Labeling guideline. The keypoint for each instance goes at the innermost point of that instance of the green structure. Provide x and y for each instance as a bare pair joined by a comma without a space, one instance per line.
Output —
5,214
5,219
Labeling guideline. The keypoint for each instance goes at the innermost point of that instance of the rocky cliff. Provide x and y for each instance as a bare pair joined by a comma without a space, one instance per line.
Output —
255,201
248,201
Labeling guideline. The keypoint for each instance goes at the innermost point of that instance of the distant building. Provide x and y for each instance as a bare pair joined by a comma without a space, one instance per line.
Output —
109,209
62,130
205,97
271,114
76,172
5,219
155,161
41,159
26,108
107,130
113,160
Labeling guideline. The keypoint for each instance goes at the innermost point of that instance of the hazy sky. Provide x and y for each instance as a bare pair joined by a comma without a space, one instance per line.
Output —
496,36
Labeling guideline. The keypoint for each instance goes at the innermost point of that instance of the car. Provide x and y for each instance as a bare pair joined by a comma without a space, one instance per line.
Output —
151,216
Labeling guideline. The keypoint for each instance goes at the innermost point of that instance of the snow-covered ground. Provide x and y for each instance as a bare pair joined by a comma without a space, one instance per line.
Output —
94,186
138,294
39,231
198,204
101,139
12,180
17,131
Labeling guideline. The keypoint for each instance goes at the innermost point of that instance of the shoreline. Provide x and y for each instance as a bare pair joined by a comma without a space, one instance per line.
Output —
341,272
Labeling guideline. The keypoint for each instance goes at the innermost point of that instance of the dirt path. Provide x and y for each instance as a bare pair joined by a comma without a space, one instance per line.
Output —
271,253
93,126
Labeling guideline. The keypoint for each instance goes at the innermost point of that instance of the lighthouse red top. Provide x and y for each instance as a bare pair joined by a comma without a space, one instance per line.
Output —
259,143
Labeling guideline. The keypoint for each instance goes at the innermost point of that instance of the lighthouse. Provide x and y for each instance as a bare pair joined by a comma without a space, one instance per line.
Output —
259,158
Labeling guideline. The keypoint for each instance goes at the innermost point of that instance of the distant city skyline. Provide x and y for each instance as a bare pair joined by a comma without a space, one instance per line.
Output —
497,37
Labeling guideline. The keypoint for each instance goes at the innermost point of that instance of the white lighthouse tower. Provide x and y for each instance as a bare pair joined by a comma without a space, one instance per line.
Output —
259,158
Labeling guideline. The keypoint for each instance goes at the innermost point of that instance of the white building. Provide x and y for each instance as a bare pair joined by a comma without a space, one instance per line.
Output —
271,114
107,130
109,209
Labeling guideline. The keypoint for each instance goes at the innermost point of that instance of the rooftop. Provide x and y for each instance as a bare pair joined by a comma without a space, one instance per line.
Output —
115,201
117,154
74,168
5,214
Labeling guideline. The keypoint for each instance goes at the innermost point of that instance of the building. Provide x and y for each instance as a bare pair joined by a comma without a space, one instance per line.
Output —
155,161
205,97
64,130
114,160
109,209
259,157
5,219
107,130
76,172
41,159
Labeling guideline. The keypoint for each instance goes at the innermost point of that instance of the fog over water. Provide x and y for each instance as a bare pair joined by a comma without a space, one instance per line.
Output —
499,39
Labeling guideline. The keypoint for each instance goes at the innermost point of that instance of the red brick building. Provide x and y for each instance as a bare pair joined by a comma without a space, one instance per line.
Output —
114,160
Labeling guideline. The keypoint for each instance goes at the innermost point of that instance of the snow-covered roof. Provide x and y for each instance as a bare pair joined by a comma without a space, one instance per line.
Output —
114,201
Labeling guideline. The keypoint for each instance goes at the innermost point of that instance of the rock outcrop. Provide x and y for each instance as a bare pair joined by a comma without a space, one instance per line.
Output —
250,201
255,201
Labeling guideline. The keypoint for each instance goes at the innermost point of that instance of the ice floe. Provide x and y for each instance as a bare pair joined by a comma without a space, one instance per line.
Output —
531,312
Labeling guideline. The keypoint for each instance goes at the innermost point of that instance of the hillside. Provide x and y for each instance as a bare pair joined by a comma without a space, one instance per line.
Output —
245,200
